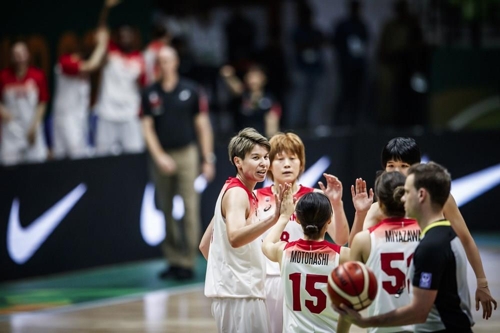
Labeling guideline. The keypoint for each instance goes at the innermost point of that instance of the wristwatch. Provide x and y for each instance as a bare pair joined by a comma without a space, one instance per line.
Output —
210,158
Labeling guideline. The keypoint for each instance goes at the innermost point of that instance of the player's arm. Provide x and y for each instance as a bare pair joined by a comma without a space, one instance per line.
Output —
483,295
206,240
43,97
362,200
339,229
97,56
205,136
39,114
235,208
360,247
103,15
5,115
272,246
231,80
416,312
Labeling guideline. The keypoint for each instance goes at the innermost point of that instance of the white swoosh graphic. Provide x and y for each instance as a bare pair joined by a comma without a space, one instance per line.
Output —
22,243
469,187
152,219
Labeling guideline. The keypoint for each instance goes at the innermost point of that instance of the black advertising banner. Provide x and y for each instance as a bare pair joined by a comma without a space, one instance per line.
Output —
67,215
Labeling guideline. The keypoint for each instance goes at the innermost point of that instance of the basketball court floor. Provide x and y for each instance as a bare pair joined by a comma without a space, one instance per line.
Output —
130,298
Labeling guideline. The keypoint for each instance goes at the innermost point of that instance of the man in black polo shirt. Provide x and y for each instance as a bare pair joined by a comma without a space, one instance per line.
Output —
175,118
441,300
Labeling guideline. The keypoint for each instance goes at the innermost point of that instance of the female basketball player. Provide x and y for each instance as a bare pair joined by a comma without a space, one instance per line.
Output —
387,248
305,264
287,157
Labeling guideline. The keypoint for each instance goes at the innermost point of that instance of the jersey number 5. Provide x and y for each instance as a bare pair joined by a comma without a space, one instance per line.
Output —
311,280
386,259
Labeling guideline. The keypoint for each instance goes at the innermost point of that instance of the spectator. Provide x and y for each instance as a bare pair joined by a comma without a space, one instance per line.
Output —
240,35
118,104
350,39
207,45
24,94
306,104
257,108
175,118
399,57
161,37
72,94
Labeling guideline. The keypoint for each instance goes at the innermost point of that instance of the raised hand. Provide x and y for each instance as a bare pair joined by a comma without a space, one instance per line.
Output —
282,198
361,198
111,3
227,71
333,189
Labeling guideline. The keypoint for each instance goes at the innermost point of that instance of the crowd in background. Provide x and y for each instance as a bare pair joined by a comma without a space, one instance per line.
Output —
250,71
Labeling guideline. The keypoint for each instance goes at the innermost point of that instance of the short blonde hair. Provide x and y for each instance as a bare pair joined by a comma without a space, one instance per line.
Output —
289,143
243,143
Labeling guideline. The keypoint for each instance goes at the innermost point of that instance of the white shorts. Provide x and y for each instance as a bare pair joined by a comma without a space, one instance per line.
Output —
274,302
242,315
14,146
70,136
115,137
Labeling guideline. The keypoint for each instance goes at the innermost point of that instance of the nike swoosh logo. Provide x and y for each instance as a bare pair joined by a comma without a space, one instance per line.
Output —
467,188
472,186
22,243
152,223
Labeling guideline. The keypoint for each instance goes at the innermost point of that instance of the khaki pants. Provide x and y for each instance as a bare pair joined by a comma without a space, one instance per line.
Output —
180,246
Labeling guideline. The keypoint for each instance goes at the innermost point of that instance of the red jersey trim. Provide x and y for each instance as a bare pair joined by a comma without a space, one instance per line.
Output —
310,245
8,77
236,182
70,65
269,192
393,221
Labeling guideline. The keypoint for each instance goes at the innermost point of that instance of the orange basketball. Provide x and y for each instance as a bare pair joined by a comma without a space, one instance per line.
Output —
352,284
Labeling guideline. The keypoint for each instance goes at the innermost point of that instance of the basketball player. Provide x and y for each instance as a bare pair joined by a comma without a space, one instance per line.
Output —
398,155
72,93
387,248
440,294
23,100
236,267
305,264
118,103
288,160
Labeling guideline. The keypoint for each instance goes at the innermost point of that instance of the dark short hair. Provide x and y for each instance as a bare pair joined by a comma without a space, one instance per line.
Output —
401,149
434,178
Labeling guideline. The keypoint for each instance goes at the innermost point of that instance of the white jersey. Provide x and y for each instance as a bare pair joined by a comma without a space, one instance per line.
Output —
305,267
234,272
393,242
72,93
119,96
293,230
